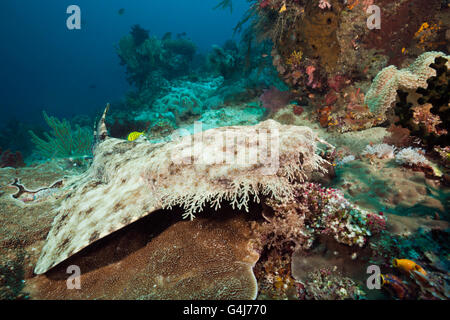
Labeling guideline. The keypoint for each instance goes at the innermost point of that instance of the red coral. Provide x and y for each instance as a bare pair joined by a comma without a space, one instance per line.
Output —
399,23
11,159
264,3
330,98
399,136
310,72
297,110
337,83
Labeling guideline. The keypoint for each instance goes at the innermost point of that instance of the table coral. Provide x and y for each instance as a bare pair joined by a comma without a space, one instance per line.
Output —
162,257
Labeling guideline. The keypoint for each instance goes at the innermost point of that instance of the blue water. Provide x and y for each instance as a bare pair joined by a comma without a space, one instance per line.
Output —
45,66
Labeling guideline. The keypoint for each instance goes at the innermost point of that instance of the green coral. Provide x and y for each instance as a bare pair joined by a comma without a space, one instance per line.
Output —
62,141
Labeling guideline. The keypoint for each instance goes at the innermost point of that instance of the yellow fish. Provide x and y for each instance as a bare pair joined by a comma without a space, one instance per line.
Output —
437,172
134,135
283,8
408,266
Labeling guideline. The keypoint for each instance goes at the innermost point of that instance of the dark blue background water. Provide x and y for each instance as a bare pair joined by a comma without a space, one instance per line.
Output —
45,66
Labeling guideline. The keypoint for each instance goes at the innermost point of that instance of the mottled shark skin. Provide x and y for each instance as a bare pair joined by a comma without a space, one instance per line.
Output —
129,180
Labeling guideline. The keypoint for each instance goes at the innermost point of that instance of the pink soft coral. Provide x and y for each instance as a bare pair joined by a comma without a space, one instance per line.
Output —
323,4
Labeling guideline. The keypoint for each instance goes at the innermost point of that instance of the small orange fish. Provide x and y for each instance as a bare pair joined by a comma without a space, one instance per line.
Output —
408,266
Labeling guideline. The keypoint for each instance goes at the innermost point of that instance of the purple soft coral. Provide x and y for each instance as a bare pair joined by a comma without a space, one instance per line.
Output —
274,99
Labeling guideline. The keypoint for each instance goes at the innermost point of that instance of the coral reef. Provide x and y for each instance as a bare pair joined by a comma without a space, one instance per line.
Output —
328,284
150,62
316,211
427,116
185,99
229,116
183,267
297,226
23,225
421,243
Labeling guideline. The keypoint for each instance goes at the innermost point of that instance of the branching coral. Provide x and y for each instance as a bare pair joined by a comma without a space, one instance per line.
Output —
63,141
139,34
295,58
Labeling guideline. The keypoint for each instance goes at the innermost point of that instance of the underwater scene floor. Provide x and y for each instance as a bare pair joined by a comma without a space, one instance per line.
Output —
309,160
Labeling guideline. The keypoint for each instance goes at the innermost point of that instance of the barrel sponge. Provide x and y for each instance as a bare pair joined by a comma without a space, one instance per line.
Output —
383,91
